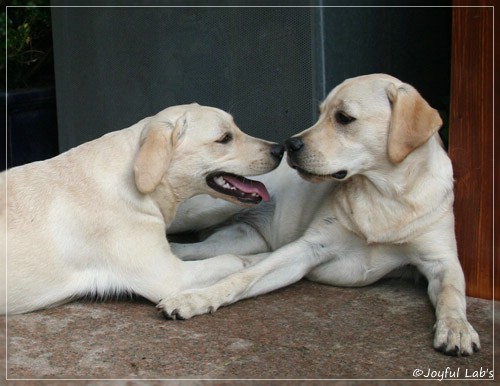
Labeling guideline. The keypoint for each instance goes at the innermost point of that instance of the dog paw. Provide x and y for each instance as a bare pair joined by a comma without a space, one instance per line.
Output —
455,337
185,306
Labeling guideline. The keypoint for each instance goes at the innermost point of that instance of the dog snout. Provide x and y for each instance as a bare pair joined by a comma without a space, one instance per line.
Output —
277,151
294,144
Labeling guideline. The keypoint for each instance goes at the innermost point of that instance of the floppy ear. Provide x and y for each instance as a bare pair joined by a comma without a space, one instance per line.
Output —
413,121
154,156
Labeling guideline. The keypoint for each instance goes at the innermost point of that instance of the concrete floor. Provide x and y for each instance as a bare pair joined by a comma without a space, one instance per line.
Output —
304,332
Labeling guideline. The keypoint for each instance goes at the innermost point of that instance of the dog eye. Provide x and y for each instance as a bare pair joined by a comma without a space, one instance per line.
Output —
225,139
343,118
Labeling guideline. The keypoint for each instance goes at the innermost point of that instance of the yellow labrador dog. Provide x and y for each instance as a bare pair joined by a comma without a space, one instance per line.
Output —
92,220
385,201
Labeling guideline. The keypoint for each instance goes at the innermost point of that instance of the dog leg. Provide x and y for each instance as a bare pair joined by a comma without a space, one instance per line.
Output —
359,266
280,268
154,272
453,334
239,239
203,273
171,276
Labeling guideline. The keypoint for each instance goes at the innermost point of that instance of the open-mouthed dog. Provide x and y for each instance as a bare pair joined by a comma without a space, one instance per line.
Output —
92,220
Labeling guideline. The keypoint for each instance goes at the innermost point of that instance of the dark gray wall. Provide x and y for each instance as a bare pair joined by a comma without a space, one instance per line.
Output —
115,66
270,67
410,43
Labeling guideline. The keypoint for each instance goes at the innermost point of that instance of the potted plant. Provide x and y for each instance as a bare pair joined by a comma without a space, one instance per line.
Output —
29,87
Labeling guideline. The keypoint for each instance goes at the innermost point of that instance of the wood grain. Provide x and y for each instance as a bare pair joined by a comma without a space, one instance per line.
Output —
471,144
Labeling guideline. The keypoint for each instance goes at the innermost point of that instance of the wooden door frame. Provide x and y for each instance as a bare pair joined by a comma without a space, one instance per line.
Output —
471,146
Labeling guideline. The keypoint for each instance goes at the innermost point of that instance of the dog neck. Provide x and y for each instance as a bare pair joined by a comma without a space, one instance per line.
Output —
390,204
168,200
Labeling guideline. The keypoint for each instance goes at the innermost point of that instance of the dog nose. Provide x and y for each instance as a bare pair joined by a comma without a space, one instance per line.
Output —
294,144
277,151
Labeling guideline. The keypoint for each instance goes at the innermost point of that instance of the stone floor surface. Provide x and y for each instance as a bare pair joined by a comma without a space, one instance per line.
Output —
304,334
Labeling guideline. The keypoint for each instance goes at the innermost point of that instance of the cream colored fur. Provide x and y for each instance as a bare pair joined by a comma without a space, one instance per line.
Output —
92,220
384,200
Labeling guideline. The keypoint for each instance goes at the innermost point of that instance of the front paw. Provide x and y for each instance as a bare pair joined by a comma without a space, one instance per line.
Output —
185,306
455,337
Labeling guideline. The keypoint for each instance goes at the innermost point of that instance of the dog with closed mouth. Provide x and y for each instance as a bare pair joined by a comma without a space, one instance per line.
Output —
383,199
92,220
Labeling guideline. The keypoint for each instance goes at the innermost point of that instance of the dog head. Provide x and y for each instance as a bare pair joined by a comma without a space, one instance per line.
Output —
365,122
197,149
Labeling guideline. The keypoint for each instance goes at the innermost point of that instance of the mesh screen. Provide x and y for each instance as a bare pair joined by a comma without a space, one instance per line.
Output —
115,66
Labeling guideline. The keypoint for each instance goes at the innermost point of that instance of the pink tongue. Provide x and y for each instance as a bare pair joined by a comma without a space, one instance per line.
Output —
249,186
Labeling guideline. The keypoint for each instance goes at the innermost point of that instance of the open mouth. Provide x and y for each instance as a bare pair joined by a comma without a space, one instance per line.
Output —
244,190
340,175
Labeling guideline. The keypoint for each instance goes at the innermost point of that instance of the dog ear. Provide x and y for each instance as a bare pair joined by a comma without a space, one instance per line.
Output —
413,121
180,128
154,156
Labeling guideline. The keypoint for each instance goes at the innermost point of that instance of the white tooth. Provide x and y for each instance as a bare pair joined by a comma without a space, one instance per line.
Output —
223,183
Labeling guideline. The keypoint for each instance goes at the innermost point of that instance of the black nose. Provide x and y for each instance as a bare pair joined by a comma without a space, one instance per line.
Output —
277,151
294,144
